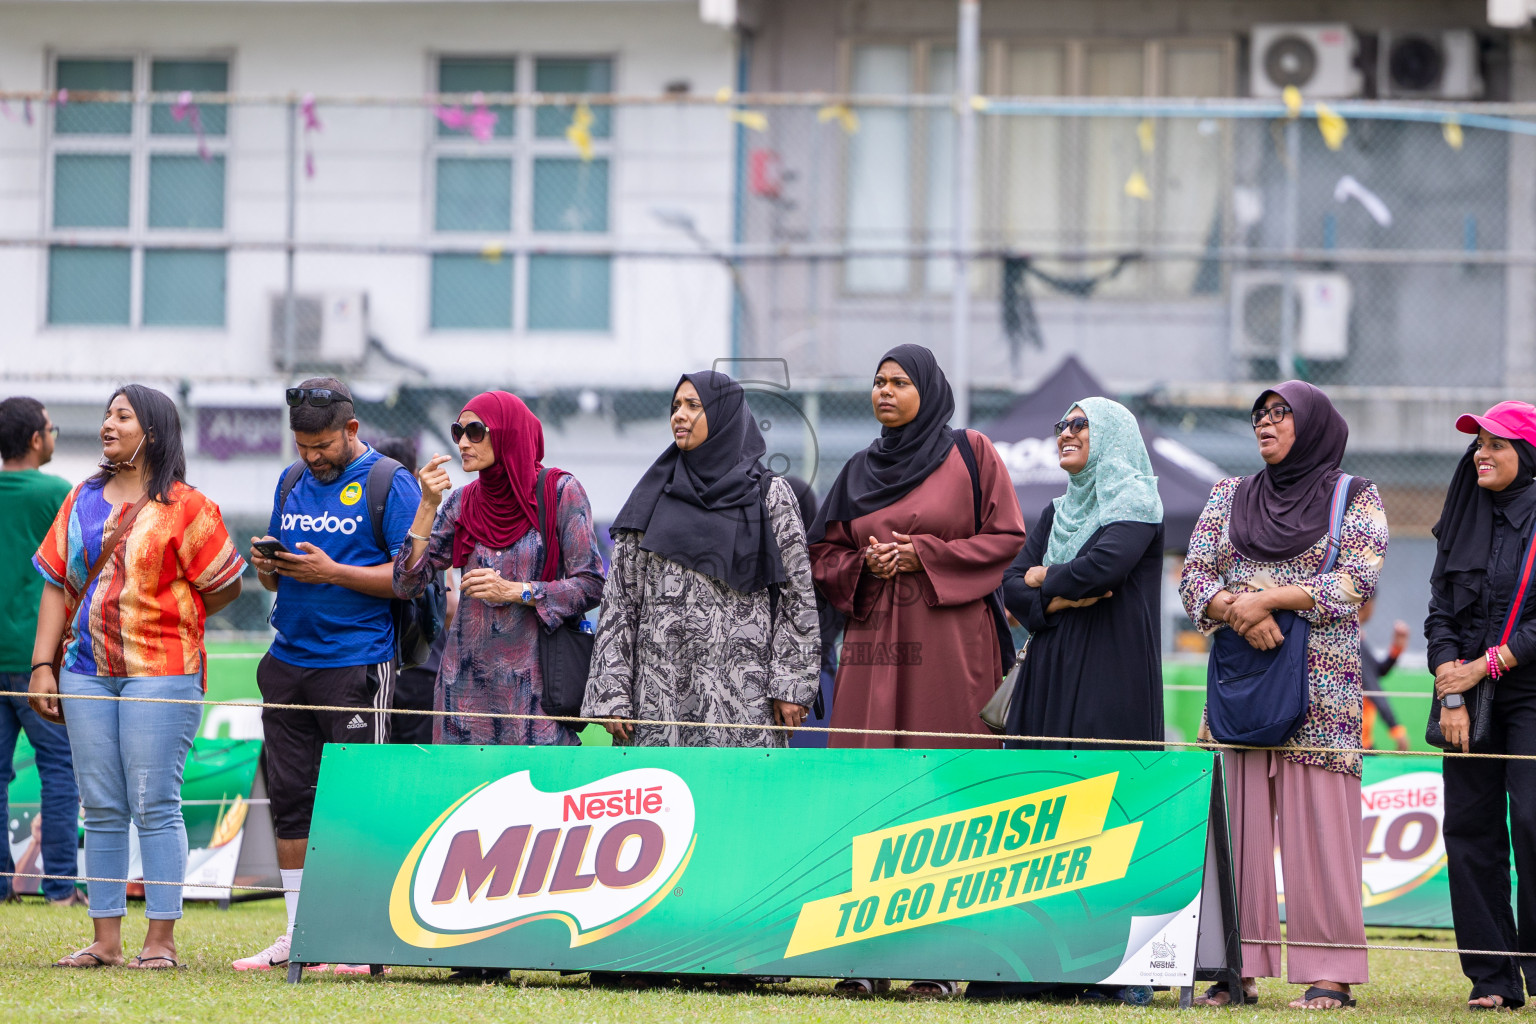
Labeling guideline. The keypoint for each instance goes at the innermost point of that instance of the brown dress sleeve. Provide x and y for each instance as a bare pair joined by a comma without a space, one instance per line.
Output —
966,569
837,565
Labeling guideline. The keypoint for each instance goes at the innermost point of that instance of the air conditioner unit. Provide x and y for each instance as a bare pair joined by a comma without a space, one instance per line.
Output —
330,329
1440,65
1321,303
1319,60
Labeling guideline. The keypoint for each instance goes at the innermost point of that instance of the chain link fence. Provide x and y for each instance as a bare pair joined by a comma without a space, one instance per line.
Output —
1186,251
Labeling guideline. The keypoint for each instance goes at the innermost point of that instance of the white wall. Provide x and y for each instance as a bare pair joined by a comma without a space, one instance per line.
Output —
372,182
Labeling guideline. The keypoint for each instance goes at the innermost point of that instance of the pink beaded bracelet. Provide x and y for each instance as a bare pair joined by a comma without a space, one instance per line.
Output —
1493,664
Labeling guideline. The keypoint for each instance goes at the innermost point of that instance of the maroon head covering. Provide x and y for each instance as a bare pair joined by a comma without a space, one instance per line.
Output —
1282,510
498,507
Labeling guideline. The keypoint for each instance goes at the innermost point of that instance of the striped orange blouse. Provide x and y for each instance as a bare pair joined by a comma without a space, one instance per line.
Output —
144,615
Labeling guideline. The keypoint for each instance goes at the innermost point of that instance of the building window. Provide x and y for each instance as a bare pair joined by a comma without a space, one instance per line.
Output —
1044,183
136,199
525,185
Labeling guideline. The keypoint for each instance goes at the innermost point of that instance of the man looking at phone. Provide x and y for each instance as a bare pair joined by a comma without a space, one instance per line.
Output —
335,640
30,499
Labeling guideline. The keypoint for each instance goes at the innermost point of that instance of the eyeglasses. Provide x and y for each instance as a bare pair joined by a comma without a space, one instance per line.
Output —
317,397
1075,425
53,432
475,432
1274,414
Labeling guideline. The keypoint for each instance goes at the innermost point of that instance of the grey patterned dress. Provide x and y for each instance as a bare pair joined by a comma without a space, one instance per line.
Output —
676,645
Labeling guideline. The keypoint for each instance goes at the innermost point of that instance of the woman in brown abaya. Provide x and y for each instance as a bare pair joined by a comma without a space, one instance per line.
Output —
895,548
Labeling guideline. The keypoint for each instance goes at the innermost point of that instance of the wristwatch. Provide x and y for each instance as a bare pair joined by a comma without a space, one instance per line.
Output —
1452,700
527,594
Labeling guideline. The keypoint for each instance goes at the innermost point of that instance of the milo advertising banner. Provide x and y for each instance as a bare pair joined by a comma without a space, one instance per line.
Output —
1015,865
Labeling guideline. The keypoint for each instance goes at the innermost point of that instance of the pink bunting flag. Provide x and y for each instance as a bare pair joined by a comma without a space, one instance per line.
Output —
185,110
311,124
479,123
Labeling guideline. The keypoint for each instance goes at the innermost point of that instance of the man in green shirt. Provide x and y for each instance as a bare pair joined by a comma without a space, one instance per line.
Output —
29,499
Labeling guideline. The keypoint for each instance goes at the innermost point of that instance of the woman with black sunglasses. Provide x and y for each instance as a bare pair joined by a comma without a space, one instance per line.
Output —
516,575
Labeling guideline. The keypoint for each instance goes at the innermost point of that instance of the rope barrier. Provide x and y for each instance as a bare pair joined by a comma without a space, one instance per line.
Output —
141,881
1381,947
830,730
1204,745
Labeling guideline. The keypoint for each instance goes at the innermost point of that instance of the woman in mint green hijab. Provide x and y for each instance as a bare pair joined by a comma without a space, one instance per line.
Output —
1088,587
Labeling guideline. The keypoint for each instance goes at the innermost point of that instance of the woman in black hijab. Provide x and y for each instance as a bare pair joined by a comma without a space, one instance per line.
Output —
1262,546
709,614
909,545
1481,634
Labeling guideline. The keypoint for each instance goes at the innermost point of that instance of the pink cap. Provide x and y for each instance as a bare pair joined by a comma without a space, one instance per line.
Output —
1507,419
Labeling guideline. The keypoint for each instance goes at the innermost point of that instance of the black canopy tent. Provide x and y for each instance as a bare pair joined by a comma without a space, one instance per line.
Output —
1025,436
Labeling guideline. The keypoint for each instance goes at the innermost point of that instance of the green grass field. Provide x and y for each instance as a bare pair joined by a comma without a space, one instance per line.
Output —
1406,987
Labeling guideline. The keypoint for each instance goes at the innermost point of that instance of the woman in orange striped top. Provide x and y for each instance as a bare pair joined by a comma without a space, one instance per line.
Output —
136,631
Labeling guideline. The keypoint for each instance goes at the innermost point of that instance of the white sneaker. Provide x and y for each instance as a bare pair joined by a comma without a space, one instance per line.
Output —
275,955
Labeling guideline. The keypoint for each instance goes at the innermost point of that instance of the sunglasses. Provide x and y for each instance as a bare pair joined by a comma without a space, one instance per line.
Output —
475,432
1274,414
317,397
1075,425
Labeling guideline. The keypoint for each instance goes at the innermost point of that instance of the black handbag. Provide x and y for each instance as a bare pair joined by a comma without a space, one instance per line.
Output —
565,652
1479,699
1262,698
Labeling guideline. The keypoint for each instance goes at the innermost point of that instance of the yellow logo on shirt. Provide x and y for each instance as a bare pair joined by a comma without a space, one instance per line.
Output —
352,493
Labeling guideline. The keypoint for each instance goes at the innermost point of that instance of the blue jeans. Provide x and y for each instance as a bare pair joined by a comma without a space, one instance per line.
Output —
61,800
129,760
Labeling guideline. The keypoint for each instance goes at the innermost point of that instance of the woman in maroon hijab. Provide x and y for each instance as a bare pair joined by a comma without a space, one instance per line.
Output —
1262,546
488,531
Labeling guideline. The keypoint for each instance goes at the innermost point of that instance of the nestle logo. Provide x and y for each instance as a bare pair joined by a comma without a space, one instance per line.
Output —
612,803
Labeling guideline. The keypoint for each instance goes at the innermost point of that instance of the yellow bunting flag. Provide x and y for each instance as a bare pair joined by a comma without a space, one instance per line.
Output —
579,131
1292,97
1136,186
1146,134
1451,129
752,119
842,114
723,94
1332,126
492,252
979,103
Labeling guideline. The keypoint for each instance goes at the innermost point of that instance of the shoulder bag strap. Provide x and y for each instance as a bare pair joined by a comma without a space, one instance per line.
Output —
546,524
963,442
1336,510
1522,589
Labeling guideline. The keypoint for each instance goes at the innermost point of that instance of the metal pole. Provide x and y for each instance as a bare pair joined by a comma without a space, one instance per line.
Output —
967,81
290,311
1285,359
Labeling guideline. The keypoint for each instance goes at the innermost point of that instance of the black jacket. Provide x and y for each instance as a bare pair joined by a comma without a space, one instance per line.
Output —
1478,627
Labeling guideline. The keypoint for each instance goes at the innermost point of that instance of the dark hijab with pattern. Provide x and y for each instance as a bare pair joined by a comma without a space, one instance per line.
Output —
901,457
706,509
1282,510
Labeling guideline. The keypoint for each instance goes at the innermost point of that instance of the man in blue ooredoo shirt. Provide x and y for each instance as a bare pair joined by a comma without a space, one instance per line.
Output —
335,640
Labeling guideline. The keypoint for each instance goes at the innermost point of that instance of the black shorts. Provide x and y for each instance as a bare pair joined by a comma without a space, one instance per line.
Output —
293,739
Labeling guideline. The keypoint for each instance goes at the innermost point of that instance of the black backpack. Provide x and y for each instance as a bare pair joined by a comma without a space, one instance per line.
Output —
418,621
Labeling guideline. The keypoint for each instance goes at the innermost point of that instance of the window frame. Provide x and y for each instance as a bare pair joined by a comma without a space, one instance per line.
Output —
992,146
522,149
140,145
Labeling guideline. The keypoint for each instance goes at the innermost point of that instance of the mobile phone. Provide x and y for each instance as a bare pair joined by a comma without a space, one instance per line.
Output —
270,548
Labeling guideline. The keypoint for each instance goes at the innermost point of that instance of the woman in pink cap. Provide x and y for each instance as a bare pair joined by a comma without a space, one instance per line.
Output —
1482,633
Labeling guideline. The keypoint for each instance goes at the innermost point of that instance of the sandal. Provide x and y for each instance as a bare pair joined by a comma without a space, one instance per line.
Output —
1344,999
1475,1006
1208,997
140,963
862,987
100,962
933,989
